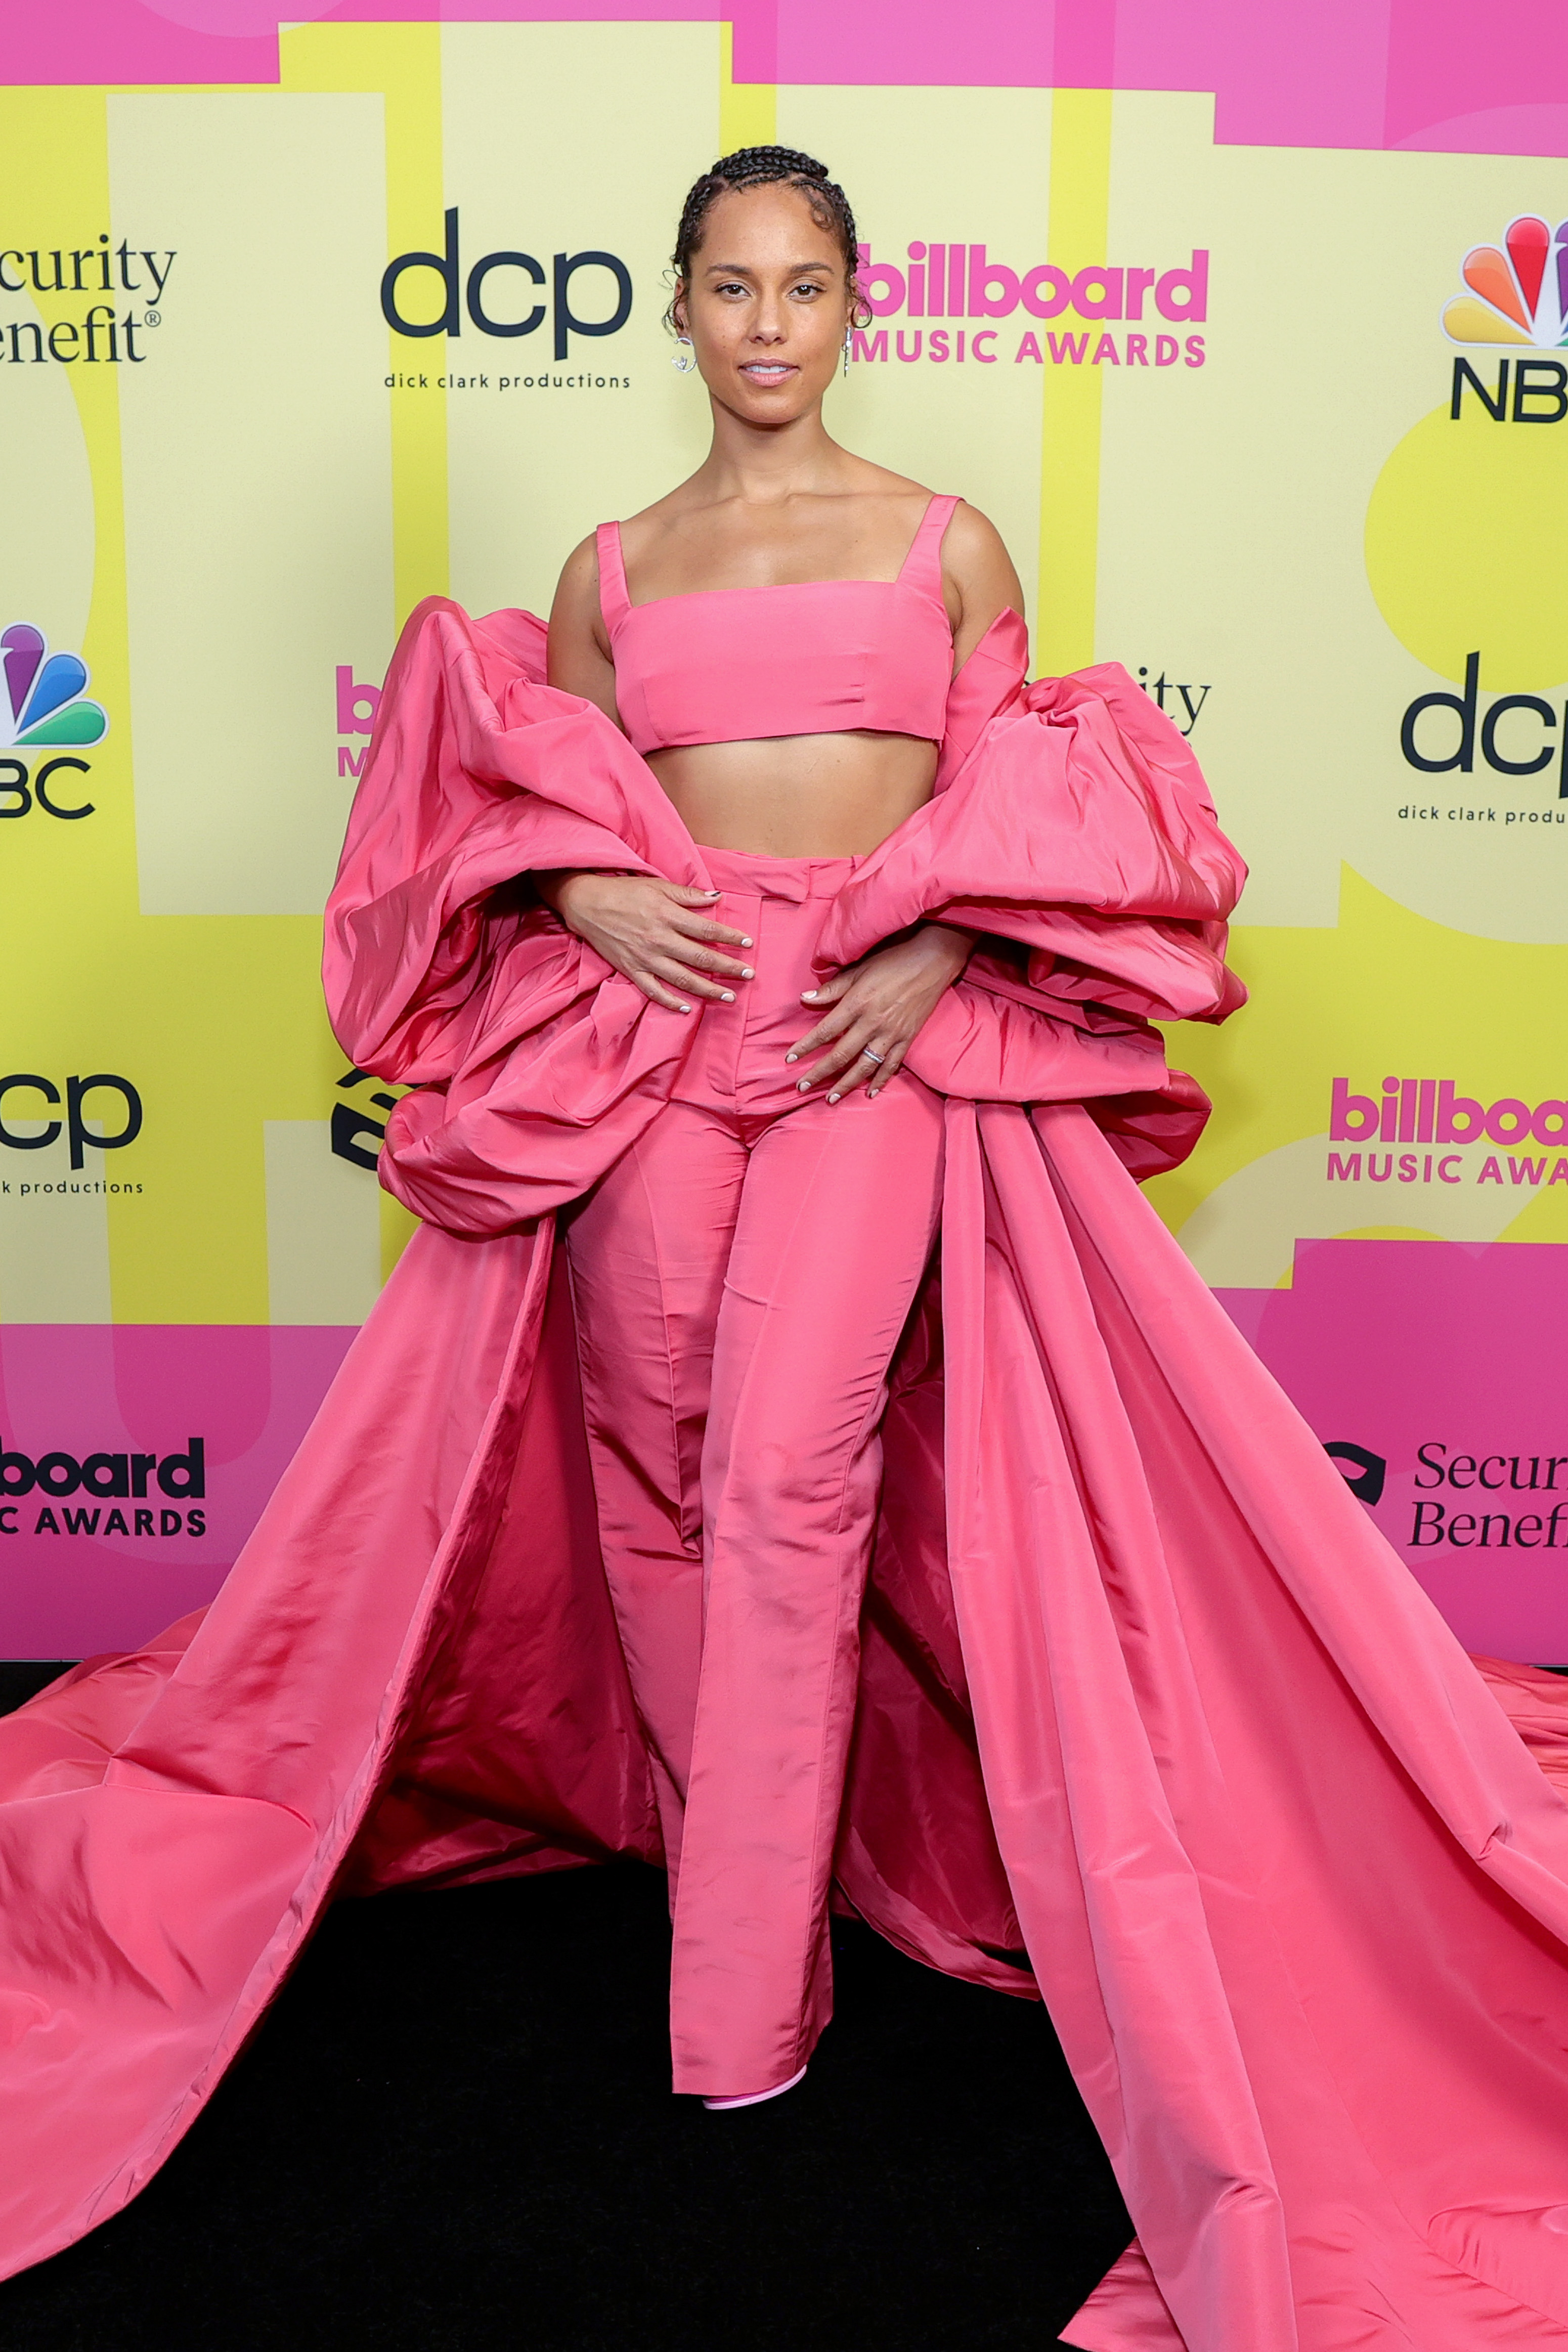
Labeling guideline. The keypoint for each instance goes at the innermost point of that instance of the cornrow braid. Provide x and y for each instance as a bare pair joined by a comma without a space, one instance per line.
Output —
753,167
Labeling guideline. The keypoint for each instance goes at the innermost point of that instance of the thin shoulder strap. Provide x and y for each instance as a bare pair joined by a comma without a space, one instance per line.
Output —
921,567
615,603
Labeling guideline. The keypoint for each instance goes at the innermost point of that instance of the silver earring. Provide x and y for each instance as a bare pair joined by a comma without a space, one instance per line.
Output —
848,331
684,361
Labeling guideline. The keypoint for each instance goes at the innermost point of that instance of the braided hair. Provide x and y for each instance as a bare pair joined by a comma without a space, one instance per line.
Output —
754,167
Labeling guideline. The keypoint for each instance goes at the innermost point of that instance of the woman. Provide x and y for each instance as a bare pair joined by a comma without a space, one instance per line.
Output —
787,933
737,1473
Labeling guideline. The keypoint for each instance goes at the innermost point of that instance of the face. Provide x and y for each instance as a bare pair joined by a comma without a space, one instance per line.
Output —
766,305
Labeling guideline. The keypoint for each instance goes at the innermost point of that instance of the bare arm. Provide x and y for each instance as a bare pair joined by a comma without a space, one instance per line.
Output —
579,655
658,933
977,578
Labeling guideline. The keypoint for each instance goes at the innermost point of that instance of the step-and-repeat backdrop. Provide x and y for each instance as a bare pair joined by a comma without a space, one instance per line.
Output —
1277,419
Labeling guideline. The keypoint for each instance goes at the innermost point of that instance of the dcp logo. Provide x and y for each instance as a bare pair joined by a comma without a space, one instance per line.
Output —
505,283
1427,745
77,1091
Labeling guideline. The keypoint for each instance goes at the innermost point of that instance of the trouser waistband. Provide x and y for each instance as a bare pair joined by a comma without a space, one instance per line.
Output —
794,880
781,903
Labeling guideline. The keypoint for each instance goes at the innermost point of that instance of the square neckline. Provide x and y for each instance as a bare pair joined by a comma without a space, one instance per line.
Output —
625,606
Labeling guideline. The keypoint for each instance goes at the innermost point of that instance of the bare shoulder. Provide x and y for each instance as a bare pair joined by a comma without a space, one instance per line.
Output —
577,605
580,572
972,544
973,540
865,480
686,498
975,561
579,647
979,580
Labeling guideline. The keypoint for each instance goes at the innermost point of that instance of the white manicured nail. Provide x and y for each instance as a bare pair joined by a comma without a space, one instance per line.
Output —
792,1057
833,1097
807,994
728,996
802,1086
746,972
745,943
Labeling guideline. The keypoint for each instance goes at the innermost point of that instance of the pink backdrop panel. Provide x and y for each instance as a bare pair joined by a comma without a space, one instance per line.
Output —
247,1391
1317,73
1456,1348
1391,1346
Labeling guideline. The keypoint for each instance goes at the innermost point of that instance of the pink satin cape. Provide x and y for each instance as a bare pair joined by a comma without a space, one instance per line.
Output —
1145,1695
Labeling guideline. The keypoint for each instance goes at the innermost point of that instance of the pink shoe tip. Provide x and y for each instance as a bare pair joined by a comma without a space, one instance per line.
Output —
755,2099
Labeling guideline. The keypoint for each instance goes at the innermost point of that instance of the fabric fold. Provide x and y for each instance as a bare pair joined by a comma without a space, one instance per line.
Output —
1075,828
1151,1720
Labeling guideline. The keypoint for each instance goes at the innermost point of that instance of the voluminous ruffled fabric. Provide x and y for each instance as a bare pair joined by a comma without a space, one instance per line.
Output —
1146,1701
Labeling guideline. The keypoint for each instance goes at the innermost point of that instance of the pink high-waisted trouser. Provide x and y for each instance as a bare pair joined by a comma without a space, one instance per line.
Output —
741,1277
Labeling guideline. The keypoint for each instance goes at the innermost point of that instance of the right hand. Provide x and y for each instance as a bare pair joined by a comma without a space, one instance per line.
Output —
653,932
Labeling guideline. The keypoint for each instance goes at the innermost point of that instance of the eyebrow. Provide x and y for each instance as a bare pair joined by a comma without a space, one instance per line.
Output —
744,269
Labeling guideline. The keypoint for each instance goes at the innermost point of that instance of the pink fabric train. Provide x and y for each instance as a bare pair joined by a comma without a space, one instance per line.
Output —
1143,1692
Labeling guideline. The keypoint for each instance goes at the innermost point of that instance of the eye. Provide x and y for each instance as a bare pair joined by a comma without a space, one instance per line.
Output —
731,286
808,285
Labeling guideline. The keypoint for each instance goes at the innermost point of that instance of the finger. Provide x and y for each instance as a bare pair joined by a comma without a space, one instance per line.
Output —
656,994
839,1061
892,1064
698,927
687,951
862,1071
677,976
834,1025
827,991
686,893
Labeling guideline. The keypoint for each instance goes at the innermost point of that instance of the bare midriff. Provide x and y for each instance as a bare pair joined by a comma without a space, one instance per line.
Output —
798,796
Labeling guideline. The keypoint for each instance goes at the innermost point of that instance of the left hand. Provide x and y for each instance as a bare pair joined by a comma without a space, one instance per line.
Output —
882,1002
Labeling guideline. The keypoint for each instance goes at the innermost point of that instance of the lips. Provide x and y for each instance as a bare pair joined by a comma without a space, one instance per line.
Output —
766,372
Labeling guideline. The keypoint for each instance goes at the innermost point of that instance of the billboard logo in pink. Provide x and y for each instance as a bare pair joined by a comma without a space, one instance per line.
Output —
948,280
1433,1110
1513,296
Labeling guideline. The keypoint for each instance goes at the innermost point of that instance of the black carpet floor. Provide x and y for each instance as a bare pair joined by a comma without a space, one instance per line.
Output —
455,2132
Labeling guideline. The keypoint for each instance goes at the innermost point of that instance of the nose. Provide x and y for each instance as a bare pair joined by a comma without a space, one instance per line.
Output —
769,324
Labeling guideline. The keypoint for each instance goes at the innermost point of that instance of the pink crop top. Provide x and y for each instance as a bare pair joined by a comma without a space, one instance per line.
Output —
816,657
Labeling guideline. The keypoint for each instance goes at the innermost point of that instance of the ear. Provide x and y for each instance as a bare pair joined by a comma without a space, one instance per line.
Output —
677,308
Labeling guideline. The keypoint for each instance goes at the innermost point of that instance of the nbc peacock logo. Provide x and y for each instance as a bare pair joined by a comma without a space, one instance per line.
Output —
42,702
1513,296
